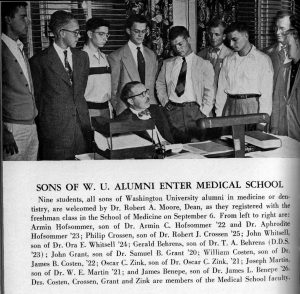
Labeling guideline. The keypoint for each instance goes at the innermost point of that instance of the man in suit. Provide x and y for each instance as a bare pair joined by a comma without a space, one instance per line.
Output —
185,87
60,75
293,98
135,95
217,50
282,66
132,62
20,141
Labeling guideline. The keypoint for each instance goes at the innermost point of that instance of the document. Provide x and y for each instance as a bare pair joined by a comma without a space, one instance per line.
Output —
151,226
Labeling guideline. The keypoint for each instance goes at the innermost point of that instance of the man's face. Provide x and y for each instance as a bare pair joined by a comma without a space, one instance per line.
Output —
18,25
238,40
216,36
293,48
282,25
141,100
70,34
181,46
99,36
137,33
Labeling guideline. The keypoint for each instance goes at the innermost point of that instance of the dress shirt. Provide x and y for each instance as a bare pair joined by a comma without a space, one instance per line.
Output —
61,55
250,74
98,89
213,54
15,47
133,49
157,138
189,94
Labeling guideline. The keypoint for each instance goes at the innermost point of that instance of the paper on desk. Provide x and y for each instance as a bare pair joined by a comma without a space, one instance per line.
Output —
121,141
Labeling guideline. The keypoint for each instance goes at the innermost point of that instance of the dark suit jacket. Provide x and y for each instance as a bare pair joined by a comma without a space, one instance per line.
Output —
278,124
60,104
157,115
124,70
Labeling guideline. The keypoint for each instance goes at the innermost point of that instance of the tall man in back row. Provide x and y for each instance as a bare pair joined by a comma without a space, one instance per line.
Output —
185,87
60,76
246,78
133,62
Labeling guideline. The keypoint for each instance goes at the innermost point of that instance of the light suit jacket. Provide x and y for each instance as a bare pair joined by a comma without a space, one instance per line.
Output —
124,70
202,78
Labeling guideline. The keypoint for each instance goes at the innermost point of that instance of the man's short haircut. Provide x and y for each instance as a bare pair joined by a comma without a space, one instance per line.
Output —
294,33
135,18
126,91
215,22
178,31
283,13
240,27
59,19
9,9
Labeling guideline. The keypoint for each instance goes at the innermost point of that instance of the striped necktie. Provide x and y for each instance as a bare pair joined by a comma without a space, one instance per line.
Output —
179,90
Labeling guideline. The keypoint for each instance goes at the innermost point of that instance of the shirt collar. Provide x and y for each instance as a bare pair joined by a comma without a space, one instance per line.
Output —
144,117
61,50
9,41
98,54
133,47
187,58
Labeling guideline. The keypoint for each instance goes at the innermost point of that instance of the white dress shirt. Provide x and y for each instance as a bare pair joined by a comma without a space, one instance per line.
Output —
250,74
61,54
189,94
134,50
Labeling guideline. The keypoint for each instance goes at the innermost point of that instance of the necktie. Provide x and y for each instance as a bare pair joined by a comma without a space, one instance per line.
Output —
28,69
141,64
294,69
179,90
144,113
68,66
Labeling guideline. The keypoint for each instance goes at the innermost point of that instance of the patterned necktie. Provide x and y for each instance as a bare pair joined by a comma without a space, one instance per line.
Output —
68,66
141,65
179,90
144,113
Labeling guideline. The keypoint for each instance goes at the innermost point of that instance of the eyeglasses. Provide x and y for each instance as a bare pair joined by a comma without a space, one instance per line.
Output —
139,31
75,33
102,34
144,93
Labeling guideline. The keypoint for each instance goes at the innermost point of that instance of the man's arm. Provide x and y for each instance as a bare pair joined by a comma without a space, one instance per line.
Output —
161,86
221,96
9,143
208,89
115,65
266,85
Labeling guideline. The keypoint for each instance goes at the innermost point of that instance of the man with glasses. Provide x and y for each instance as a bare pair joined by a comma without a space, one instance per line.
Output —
20,141
185,87
282,66
60,75
136,97
133,62
98,90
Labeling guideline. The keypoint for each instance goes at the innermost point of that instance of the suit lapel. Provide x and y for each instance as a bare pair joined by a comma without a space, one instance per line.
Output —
129,64
296,82
56,65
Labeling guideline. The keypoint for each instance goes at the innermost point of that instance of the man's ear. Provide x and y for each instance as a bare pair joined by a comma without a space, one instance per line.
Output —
127,31
130,101
7,20
89,34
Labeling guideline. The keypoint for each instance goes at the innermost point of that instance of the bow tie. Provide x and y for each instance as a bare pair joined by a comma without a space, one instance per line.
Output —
144,113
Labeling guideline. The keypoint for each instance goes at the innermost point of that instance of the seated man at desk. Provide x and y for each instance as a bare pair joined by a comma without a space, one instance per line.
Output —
136,97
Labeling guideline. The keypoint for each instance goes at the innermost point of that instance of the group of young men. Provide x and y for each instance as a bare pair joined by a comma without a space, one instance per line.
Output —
64,87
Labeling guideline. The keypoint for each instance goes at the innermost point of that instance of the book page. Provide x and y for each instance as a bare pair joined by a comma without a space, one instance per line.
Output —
145,226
